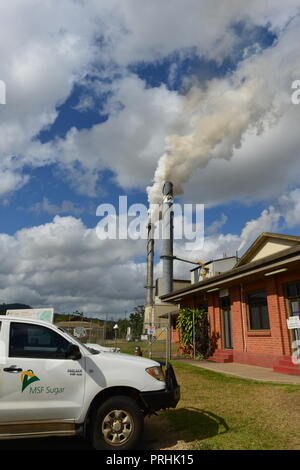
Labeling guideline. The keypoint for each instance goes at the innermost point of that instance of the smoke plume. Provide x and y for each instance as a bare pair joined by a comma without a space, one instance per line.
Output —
217,119
216,116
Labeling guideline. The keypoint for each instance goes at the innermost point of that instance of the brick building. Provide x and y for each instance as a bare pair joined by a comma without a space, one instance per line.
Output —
248,305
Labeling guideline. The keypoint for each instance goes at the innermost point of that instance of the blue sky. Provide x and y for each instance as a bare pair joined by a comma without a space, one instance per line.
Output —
87,120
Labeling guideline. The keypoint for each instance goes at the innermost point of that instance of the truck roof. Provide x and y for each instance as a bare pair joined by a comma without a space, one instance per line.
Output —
25,319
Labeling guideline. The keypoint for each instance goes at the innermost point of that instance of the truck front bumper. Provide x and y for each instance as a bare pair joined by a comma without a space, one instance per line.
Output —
166,398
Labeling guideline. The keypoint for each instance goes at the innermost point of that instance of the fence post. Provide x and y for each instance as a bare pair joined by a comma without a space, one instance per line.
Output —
194,338
168,339
150,351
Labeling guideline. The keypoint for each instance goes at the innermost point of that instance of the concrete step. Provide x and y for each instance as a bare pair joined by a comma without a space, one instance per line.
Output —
220,359
293,370
286,363
221,356
286,357
223,351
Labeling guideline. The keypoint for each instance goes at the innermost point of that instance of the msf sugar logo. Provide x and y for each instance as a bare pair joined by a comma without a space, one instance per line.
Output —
27,378
2,92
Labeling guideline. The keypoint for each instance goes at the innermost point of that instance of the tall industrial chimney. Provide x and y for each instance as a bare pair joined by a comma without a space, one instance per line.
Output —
150,255
167,238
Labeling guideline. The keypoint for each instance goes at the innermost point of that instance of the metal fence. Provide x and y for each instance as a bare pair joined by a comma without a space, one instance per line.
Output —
156,345
159,345
162,344
85,331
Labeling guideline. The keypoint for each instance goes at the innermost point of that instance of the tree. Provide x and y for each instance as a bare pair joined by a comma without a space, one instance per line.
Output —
123,325
136,321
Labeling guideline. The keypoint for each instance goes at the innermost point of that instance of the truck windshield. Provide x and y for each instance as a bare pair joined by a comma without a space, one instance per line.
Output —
90,350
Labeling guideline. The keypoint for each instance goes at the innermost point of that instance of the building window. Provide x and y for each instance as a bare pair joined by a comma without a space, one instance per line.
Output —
293,295
203,306
258,311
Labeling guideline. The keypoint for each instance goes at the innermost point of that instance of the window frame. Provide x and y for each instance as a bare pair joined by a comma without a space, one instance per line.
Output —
226,324
32,354
291,298
250,329
288,304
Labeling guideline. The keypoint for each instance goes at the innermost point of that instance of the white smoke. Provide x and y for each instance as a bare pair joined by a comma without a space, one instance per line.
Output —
216,118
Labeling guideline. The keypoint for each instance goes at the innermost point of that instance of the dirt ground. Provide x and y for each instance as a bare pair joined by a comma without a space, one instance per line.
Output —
158,435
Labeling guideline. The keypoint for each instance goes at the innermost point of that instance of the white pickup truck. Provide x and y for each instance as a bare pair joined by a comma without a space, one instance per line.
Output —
53,385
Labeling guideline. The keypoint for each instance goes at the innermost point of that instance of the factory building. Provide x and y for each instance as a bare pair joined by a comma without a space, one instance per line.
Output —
253,303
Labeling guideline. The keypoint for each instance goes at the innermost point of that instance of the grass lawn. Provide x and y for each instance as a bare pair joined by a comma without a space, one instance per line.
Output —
220,412
158,347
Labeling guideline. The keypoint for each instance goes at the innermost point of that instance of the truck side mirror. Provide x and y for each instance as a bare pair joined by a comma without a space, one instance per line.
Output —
73,352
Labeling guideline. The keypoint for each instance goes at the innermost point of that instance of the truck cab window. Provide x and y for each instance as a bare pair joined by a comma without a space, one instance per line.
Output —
35,341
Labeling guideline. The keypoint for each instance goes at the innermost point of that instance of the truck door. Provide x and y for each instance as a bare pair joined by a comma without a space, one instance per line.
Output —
37,381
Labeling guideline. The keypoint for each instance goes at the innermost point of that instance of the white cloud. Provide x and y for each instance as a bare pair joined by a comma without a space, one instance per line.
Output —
66,207
46,48
246,107
259,127
290,207
216,225
63,264
131,139
154,30
268,221
262,169
280,218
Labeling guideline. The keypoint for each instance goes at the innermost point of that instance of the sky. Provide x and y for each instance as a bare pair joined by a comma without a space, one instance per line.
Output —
109,98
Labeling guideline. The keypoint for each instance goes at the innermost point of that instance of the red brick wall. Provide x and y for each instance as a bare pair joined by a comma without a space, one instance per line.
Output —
214,315
282,306
255,359
262,348
267,342
276,342
175,336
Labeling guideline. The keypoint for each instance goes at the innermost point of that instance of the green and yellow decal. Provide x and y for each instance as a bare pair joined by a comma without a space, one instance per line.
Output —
27,378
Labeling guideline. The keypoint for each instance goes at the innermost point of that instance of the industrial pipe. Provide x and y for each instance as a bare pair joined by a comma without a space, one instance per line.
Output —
150,256
167,238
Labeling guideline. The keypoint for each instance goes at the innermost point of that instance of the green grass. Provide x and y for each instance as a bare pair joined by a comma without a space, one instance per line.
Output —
221,412
217,411
128,347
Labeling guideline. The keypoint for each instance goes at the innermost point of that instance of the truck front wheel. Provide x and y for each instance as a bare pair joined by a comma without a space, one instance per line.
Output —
117,425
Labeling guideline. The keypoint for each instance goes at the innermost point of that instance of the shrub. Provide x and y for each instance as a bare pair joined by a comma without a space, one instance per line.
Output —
186,330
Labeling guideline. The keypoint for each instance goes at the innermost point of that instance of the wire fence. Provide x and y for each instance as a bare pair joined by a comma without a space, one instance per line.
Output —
161,343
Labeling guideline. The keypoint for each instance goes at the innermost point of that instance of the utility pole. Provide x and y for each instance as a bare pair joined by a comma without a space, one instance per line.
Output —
194,337
105,326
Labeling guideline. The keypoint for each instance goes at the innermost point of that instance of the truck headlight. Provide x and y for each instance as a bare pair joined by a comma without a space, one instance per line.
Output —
156,372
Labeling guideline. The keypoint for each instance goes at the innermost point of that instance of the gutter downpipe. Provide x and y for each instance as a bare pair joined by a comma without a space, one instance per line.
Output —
243,318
